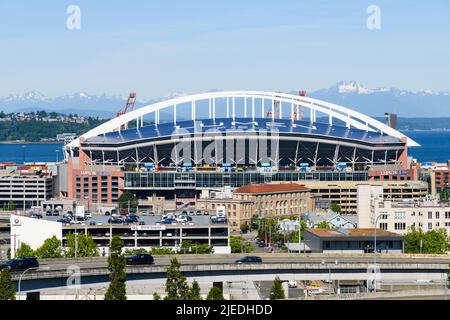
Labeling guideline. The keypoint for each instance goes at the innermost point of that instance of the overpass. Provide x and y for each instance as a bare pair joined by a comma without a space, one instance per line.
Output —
222,268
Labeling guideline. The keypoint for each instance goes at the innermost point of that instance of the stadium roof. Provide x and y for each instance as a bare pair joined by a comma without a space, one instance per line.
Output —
224,125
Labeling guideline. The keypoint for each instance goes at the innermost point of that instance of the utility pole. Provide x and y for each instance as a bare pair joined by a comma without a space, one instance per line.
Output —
74,206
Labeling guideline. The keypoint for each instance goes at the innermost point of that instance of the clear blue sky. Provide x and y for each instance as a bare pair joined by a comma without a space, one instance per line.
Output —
160,47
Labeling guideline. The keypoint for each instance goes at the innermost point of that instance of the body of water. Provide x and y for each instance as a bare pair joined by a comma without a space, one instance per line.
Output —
28,152
435,147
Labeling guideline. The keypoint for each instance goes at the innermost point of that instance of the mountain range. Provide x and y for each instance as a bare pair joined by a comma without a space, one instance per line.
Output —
371,101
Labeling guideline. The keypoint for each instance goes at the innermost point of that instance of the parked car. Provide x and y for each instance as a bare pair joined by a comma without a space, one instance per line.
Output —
115,220
124,212
64,220
292,284
92,223
198,213
55,213
20,264
131,218
167,221
36,216
249,259
206,213
182,219
107,213
48,213
219,220
191,213
140,259
142,223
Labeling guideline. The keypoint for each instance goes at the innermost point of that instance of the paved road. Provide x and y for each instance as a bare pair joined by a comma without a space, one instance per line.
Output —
62,264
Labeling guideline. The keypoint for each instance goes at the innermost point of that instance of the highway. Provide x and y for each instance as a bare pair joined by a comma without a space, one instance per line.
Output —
268,258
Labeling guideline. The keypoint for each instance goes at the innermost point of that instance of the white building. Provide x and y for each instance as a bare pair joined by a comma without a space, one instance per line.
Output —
399,217
32,232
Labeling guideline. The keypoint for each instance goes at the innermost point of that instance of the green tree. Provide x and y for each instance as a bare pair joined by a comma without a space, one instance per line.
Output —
277,291
335,207
127,198
444,195
187,246
51,248
237,244
11,206
5,206
412,240
194,291
435,241
117,275
86,246
7,290
323,225
25,251
176,284
156,296
244,228
215,294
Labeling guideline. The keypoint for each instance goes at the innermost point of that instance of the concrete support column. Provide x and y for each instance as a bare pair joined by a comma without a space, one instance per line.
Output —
286,289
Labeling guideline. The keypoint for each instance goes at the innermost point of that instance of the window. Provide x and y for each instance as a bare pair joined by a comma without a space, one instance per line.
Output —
447,215
400,226
430,215
437,215
383,226
430,226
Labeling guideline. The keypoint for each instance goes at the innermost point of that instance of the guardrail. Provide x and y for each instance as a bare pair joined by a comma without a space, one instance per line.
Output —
227,267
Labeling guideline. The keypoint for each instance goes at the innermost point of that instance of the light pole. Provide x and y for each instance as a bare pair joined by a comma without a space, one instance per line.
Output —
23,273
375,249
74,206
329,270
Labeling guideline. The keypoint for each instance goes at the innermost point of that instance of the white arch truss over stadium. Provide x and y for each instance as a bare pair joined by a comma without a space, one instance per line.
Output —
250,107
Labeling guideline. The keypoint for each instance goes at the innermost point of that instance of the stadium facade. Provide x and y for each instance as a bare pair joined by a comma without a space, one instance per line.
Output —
183,146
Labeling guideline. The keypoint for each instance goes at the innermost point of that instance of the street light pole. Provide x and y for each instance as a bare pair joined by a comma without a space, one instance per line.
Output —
74,205
375,249
21,276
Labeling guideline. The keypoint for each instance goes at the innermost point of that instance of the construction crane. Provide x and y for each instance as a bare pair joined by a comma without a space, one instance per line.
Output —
276,108
129,106
302,111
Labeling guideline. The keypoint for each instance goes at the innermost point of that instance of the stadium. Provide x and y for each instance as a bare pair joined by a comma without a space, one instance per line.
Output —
218,139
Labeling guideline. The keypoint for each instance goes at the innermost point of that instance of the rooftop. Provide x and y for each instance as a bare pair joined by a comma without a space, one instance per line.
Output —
271,188
352,233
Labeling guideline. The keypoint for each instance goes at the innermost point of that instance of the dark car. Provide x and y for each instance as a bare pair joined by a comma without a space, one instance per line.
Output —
142,223
249,259
20,264
167,221
64,220
132,219
115,220
139,259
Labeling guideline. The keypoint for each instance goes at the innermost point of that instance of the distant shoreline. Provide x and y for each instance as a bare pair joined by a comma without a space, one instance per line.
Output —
29,142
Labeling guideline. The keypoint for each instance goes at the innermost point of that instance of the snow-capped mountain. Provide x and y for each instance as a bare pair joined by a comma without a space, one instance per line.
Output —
354,95
377,101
